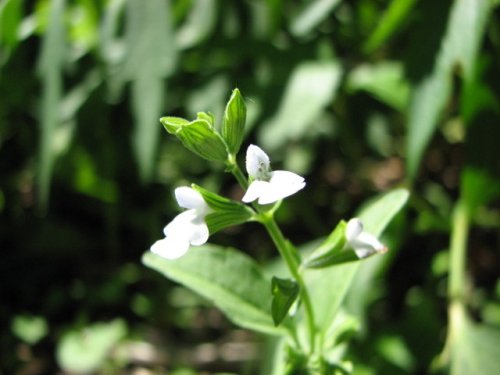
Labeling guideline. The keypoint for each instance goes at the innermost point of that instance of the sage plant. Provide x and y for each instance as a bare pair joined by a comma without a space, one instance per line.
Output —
303,304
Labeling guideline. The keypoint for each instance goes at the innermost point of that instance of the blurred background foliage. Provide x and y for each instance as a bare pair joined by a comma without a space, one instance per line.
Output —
357,95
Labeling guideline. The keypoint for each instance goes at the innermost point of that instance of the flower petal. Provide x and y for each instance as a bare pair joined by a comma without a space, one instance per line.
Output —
255,190
257,163
199,233
180,226
353,229
189,198
170,247
282,185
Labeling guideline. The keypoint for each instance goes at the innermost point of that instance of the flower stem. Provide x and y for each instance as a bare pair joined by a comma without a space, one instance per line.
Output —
291,261
286,251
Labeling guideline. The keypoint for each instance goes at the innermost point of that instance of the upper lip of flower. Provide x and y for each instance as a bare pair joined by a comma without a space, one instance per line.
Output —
363,243
268,186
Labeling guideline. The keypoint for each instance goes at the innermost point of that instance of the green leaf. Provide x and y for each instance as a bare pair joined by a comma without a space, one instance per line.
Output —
197,136
199,24
328,286
84,351
233,127
474,347
150,57
384,80
11,12
311,88
50,63
231,280
391,20
311,16
30,329
461,41
285,292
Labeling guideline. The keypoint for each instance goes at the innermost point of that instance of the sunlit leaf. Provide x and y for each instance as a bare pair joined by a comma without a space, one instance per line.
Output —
199,24
459,45
384,81
392,19
29,328
228,278
310,89
84,351
10,20
150,58
312,15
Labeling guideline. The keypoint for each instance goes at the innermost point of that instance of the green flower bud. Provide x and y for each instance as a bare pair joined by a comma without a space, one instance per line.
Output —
233,127
198,136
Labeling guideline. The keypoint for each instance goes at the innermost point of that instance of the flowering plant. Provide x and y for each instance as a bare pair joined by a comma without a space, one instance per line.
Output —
302,304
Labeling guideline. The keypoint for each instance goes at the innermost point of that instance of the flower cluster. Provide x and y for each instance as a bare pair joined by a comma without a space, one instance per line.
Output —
189,227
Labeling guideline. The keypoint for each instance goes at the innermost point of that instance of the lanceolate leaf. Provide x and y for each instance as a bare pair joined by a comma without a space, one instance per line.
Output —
328,286
230,279
150,58
459,45
49,67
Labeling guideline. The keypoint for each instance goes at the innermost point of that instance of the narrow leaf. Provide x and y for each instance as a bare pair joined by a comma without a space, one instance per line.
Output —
460,44
49,68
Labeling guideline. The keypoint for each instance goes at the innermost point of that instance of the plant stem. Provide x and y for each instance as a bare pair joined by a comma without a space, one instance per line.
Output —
286,251
293,265
458,246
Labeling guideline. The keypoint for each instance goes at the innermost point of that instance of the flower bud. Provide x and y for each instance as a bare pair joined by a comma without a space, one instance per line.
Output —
198,136
233,127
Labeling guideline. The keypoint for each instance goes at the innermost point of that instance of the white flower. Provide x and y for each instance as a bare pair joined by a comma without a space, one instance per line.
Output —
364,244
268,186
187,228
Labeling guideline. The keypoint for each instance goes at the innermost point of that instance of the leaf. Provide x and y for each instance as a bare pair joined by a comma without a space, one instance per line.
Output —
50,62
30,328
199,24
310,89
384,80
397,12
459,45
328,286
150,58
475,347
311,16
285,292
84,351
11,12
228,278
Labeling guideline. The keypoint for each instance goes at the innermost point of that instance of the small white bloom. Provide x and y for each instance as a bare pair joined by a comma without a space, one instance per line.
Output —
364,244
268,186
187,228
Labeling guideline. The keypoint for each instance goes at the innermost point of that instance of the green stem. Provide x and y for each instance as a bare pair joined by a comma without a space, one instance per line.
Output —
286,251
458,246
456,280
291,261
